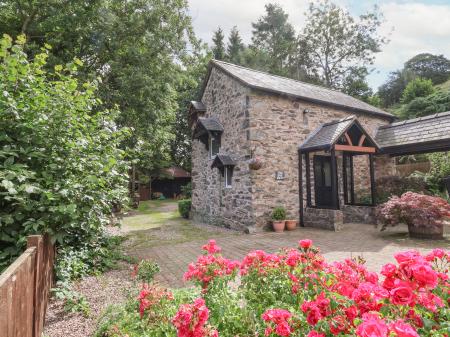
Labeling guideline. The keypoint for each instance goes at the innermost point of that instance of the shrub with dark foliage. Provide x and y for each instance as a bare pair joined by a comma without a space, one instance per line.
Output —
184,207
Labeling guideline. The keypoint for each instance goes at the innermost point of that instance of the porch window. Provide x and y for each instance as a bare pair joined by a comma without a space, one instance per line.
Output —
228,176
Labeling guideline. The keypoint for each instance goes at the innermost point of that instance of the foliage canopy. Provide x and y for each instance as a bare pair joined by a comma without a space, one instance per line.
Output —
61,168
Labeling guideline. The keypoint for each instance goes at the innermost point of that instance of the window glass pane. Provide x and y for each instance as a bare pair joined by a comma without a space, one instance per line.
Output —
327,173
215,145
228,176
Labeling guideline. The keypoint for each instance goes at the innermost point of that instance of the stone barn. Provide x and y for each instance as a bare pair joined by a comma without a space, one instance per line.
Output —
261,141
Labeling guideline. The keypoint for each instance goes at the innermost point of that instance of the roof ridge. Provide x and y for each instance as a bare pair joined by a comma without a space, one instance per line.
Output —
291,79
339,120
416,120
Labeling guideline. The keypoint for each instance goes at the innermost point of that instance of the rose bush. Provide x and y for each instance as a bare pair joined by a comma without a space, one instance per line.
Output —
295,292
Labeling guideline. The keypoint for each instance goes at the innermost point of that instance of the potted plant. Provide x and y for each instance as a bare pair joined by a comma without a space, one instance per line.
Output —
291,225
424,214
278,216
255,163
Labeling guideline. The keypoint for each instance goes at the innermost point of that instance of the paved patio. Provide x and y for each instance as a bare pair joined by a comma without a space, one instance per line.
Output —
353,240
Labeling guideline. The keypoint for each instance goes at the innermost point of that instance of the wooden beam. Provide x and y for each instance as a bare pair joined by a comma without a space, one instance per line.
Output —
349,140
361,140
308,180
352,181
344,176
334,180
372,179
350,148
300,187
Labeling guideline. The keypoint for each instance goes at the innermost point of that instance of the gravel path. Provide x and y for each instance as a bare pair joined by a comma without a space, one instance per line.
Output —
100,291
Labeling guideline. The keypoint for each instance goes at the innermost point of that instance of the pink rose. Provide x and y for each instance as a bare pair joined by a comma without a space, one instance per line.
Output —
402,329
389,270
402,295
372,326
314,333
305,244
283,329
425,275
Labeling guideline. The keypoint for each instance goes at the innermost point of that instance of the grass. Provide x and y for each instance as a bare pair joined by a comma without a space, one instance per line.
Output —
152,214
158,223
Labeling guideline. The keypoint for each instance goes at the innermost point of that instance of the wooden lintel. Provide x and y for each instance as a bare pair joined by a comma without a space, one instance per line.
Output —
349,140
352,148
361,140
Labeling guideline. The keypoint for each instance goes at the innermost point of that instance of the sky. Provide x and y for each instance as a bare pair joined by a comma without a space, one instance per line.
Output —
412,27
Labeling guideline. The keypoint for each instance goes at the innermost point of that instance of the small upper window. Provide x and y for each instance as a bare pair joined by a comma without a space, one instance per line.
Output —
228,176
214,145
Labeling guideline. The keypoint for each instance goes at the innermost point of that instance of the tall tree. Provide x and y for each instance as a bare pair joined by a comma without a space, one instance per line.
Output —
275,37
355,84
337,42
188,89
392,90
235,47
219,44
137,48
433,67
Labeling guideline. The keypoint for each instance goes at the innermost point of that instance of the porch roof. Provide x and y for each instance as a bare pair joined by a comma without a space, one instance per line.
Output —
418,135
328,134
207,125
222,160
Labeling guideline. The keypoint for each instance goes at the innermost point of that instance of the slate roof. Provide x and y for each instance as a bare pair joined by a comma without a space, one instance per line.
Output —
420,134
327,134
281,85
222,160
210,124
199,106
176,172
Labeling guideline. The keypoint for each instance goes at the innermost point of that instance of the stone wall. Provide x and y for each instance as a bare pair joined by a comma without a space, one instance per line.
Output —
278,125
226,100
359,214
331,219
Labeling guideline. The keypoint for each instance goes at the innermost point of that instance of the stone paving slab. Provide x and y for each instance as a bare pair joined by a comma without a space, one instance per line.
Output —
363,240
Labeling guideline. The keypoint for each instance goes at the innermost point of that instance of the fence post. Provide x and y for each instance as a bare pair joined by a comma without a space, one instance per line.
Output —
38,322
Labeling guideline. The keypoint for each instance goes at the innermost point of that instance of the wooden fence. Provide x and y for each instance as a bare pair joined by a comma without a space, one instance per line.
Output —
24,290
404,170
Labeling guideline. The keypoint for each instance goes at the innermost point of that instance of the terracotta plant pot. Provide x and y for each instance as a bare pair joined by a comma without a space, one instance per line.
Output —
291,225
278,226
434,233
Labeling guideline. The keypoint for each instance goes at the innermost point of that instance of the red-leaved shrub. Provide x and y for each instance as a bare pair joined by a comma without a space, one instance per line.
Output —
414,209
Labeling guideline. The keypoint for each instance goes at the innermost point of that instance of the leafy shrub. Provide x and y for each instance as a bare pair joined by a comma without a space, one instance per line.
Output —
293,293
395,185
279,213
61,168
146,270
186,190
440,169
184,207
413,209
122,320
424,106
418,87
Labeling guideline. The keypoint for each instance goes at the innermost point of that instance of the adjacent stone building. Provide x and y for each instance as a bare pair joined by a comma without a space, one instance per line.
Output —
250,132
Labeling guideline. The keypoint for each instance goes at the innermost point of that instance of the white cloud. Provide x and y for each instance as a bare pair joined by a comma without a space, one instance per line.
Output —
208,15
417,27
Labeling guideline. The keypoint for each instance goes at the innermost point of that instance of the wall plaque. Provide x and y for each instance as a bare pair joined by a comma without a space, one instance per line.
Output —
279,175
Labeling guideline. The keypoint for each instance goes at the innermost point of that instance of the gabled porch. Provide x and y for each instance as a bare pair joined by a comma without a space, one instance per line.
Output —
337,175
